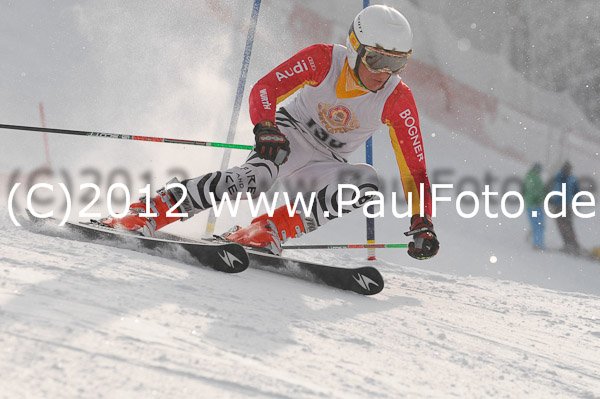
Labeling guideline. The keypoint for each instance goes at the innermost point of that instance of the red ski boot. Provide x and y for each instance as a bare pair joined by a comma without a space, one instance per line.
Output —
148,225
270,232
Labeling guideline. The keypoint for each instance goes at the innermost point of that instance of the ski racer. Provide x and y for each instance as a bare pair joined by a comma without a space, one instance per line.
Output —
344,95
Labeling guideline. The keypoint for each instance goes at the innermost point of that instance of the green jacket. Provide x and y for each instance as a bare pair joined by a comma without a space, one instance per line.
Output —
534,191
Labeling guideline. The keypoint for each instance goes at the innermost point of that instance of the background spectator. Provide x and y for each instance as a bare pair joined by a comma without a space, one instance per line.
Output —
534,193
565,224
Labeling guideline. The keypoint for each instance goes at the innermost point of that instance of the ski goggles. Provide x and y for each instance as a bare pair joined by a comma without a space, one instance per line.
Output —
379,60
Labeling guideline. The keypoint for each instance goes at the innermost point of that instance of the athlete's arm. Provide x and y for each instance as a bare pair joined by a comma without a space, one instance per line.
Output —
400,115
307,67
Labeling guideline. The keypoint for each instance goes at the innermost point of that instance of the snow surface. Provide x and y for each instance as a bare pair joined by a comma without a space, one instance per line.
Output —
81,320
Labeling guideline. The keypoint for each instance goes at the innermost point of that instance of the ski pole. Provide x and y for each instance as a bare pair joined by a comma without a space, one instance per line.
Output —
237,105
128,137
344,246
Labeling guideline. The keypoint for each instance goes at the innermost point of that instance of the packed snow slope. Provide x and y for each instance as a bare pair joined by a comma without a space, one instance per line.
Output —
85,320
487,317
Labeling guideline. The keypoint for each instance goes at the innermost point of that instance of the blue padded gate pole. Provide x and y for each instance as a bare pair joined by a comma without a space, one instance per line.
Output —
369,159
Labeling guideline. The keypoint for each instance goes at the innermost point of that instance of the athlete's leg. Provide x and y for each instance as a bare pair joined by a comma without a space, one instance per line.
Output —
193,195
318,185
253,177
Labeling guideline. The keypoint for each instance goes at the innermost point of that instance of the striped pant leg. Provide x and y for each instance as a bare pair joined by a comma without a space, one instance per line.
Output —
320,181
255,176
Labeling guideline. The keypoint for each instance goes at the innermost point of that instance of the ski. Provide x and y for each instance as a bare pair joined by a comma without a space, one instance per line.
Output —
225,257
364,280
229,257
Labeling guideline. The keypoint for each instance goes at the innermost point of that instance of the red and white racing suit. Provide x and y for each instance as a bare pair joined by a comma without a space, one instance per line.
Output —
329,118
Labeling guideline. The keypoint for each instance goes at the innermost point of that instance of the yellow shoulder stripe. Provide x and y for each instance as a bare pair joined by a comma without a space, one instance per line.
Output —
408,181
295,89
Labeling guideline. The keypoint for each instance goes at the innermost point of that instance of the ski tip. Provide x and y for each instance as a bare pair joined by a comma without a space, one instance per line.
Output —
368,281
232,258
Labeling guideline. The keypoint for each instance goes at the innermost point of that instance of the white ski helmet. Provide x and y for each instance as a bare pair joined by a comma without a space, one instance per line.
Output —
380,27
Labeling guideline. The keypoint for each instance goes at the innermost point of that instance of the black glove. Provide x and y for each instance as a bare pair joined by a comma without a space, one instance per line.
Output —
425,244
271,144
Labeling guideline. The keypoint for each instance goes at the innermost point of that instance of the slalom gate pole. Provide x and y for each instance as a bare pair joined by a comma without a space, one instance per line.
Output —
345,246
127,137
369,160
212,219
